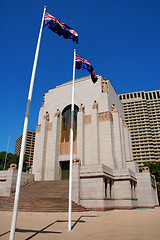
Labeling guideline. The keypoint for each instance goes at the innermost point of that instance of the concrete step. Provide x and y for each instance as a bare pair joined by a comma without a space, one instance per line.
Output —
42,196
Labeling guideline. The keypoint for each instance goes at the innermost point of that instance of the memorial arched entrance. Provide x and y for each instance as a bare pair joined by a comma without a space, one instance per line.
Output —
65,139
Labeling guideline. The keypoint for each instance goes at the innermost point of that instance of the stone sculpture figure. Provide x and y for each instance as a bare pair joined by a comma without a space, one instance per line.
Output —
57,114
95,105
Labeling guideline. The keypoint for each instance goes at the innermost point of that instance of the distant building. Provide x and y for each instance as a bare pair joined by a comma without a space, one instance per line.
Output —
29,146
142,116
104,173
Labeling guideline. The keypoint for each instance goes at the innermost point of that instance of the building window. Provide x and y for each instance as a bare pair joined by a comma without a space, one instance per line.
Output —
66,126
150,94
158,95
143,95
154,95
146,96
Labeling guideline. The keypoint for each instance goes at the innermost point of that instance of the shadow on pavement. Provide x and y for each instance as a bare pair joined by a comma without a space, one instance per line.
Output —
43,230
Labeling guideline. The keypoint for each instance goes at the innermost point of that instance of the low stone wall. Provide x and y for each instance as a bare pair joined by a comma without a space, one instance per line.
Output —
8,179
146,190
101,188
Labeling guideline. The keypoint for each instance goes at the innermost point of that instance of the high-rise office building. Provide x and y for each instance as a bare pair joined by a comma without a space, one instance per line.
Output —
29,146
142,115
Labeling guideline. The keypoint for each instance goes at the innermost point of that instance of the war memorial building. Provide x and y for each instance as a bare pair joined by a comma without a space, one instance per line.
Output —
104,173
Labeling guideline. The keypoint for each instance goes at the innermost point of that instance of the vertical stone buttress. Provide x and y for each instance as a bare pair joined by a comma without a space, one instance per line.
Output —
40,148
106,139
117,138
130,145
95,133
123,143
53,148
80,134
127,143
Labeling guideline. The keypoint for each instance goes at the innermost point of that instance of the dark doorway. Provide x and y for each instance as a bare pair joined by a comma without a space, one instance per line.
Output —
64,166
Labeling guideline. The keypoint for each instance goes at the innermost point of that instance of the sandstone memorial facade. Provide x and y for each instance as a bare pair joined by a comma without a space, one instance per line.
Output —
104,173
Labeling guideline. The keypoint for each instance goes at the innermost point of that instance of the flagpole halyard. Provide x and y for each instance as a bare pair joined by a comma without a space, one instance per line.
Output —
71,149
15,209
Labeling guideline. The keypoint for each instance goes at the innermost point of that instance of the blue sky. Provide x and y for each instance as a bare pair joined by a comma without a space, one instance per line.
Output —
121,39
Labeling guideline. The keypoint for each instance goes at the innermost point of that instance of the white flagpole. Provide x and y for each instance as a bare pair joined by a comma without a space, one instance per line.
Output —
23,146
71,149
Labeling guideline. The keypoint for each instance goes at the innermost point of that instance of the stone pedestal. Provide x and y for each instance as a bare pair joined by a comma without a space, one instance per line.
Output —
146,190
8,180
76,182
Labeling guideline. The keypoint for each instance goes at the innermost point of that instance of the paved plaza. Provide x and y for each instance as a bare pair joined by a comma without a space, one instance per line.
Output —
134,224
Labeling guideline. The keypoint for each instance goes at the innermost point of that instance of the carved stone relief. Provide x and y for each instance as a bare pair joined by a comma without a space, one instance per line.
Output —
43,100
46,116
113,108
76,161
82,108
105,116
95,105
124,124
38,128
58,113
87,119
104,86
50,126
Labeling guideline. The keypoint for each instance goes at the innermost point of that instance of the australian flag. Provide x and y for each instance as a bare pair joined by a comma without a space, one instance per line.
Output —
82,63
59,27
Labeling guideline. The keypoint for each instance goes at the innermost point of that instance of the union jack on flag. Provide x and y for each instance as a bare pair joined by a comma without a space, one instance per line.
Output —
82,63
59,27
78,59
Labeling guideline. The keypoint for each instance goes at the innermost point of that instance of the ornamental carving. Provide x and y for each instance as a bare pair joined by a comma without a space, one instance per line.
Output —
105,116
77,161
46,116
124,124
87,119
95,105
43,100
38,128
50,126
82,108
104,86
113,108
58,113
13,166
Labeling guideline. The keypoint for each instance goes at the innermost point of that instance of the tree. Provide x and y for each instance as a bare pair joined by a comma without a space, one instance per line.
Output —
2,159
11,158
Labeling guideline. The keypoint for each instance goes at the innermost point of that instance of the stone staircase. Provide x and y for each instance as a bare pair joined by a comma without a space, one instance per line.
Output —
42,196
